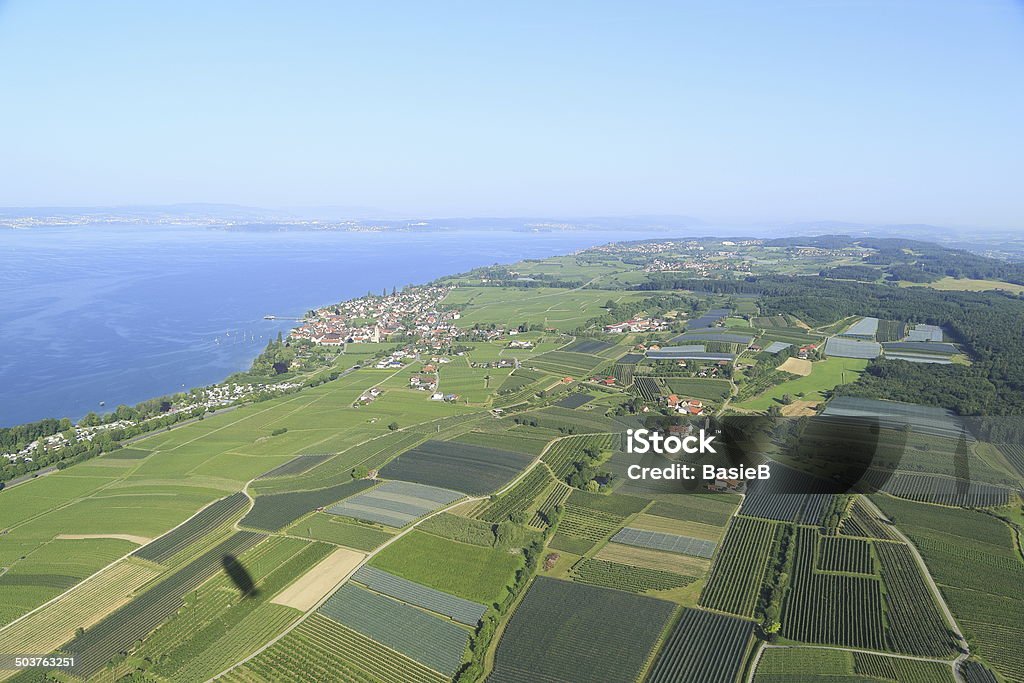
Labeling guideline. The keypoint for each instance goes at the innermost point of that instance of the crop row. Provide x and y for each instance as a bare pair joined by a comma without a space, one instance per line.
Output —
915,624
947,491
55,624
902,670
459,609
623,373
276,511
338,469
831,609
561,455
215,620
519,499
564,362
94,648
844,554
739,567
297,465
463,467
543,516
862,522
703,648
320,649
432,641
587,523
627,578
646,387
200,524
567,631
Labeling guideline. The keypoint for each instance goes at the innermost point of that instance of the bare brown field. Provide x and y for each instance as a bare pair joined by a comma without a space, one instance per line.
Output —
797,366
800,408
320,580
141,540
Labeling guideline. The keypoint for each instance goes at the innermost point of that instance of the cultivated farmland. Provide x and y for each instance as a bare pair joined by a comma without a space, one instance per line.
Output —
566,631
835,609
447,464
703,648
333,529
135,620
297,465
429,640
208,519
395,503
739,568
87,603
626,577
276,511
564,452
472,572
456,608
915,625
673,543
519,499
320,649
841,554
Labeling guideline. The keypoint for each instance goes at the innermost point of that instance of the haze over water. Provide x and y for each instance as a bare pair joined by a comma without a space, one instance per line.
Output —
122,314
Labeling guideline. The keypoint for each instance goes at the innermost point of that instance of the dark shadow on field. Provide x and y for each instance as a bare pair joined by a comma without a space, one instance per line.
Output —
240,576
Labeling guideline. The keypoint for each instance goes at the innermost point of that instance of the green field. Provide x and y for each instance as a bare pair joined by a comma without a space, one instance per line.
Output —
468,571
825,376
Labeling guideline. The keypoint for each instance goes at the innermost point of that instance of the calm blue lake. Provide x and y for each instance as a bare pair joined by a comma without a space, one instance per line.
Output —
122,314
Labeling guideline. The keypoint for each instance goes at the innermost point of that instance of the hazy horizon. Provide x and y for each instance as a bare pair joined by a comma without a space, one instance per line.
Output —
737,112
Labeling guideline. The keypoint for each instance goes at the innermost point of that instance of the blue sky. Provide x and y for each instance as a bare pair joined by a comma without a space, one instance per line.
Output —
888,111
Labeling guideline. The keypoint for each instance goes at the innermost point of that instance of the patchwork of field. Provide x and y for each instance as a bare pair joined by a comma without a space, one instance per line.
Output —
217,626
824,376
321,649
458,609
590,518
395,503
562,363
562,309
565,631
432,641
672,543
273,512
197,526
519,501
94,648
475,470
297,465
473,572
739,568
50,627
973,558
322,526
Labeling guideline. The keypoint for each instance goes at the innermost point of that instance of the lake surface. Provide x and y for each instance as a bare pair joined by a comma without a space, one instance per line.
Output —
122,314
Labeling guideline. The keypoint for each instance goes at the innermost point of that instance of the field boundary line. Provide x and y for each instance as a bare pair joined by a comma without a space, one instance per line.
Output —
370,555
